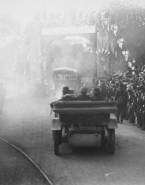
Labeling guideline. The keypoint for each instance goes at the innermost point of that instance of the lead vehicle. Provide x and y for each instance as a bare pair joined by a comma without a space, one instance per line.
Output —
77,122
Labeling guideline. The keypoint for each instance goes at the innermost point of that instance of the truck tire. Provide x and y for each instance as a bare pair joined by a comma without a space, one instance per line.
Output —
56,136
103,140
111,141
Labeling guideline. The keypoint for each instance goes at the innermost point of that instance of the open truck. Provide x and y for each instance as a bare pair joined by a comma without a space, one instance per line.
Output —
76,122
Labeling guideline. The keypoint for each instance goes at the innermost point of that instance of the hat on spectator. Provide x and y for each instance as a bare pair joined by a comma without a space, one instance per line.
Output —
96,90
84,89
65,90
129,88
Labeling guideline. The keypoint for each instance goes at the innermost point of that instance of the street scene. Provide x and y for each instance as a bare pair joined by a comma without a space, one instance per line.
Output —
28,126
72,92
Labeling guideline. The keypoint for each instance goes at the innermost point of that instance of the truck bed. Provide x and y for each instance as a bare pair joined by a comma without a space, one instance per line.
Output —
84,107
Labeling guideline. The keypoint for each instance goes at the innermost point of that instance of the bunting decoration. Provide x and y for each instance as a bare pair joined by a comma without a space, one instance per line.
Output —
103,56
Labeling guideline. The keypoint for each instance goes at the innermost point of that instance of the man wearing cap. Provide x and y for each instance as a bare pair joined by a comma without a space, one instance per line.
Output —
83,96
96,94
66,94
65,90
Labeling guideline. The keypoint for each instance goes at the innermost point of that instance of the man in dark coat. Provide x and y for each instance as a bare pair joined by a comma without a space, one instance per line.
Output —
83,96
66,94
121,97
96,94
131,106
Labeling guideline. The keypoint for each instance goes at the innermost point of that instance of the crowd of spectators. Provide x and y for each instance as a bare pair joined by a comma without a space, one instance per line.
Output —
133,84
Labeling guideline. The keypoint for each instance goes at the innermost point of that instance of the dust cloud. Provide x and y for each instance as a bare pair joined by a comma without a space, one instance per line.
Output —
73,52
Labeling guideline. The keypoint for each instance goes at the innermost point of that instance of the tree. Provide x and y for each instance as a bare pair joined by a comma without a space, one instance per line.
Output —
9,30
130,19
9,44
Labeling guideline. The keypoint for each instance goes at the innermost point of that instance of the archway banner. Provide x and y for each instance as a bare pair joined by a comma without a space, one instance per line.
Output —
68,30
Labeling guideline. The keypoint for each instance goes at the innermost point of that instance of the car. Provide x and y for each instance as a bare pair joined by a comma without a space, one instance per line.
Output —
74,120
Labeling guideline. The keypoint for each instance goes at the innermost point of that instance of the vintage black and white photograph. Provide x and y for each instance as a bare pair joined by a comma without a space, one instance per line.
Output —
72,92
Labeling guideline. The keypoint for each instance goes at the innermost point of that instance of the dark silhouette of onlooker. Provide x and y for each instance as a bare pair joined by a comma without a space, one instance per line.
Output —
96,95
121,97
67,94
83,96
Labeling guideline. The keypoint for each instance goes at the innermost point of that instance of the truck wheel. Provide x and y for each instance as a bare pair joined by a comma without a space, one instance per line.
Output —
103,140
56,136
111,141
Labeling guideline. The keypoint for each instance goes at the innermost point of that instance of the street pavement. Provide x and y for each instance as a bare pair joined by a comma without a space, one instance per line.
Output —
16,169
27,124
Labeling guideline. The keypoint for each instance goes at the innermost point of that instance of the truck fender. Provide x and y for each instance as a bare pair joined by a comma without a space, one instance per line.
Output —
55,124
112,123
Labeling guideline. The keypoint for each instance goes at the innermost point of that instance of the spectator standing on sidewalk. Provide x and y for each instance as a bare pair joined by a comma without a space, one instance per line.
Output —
121,97
139,106
131,106
2,97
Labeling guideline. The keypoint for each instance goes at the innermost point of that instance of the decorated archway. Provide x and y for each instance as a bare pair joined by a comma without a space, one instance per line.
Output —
51,35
